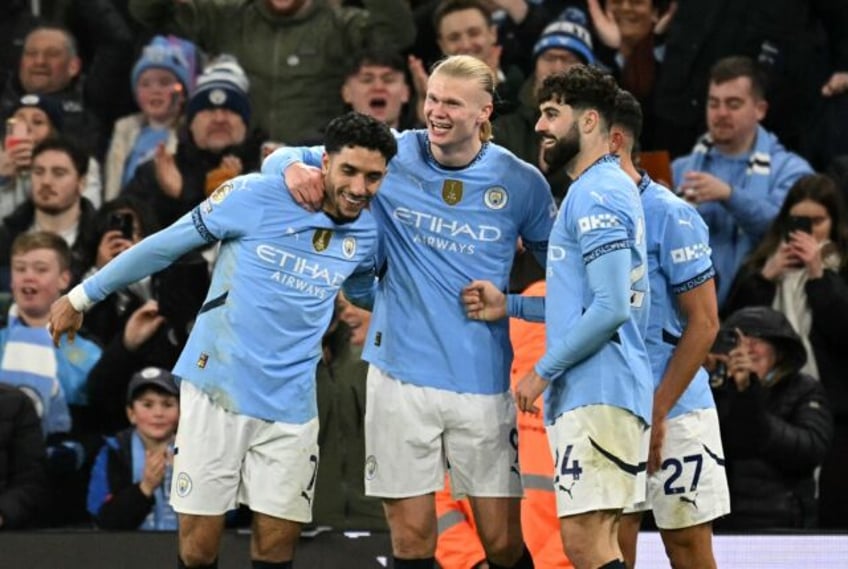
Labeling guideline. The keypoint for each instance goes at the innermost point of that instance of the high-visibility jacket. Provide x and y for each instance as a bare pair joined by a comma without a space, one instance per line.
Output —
458,546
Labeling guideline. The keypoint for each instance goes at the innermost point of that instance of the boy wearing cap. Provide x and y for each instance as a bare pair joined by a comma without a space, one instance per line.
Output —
130,481
161,81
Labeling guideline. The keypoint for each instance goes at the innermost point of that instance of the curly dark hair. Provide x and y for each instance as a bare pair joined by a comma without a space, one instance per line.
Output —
357,129
582,87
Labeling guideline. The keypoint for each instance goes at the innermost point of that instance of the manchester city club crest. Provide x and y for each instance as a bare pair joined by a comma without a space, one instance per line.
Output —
183,485
370,467
217,97
221,192
495,197
452,191
349,247
321,239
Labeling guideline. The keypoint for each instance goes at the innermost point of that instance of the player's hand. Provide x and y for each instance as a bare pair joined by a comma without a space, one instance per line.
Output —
805,249
64,319
655,446
483,301
528,390
700,187
306,185
142,324
155,462
356,318
111,245
167,174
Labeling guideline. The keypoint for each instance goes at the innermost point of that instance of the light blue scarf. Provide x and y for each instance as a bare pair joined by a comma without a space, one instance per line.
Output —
30,363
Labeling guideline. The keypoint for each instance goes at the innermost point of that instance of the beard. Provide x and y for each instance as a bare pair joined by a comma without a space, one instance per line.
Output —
564,151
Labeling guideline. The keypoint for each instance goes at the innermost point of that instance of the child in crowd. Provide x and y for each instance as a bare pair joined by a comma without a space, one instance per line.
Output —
131,480
161,80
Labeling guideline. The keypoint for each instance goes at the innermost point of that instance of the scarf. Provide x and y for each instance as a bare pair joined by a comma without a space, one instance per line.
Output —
758,170
30,363
790,298
162,516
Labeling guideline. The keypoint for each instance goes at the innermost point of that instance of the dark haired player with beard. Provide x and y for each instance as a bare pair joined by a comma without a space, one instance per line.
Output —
595,371
248,429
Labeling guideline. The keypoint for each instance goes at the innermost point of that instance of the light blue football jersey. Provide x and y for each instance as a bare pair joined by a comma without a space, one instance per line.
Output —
256,342
441,228
677,241
601,214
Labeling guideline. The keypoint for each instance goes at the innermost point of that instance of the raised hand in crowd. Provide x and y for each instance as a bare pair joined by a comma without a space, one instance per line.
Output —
807,251
167,174
111,245
142,325
780,261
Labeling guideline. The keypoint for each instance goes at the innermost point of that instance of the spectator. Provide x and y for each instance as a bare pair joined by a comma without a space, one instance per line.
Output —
23,483
53,377
801,269
38,117
131,480
738,173
214,147
564,44
56,205
296,52
16,21
51,66
144,324
775,421
465,27
376,86
802,46
161,80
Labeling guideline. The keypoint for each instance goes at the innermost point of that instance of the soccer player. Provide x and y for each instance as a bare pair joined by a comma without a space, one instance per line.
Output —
248,426
687,486
452,208
595,373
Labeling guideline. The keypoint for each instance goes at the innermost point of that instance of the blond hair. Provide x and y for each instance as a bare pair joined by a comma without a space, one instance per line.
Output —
469,67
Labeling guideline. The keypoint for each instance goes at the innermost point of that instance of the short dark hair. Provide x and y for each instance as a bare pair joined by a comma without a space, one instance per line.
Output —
357,129
581,87
377,57
736,66
446,7
26,242
62,144
628,113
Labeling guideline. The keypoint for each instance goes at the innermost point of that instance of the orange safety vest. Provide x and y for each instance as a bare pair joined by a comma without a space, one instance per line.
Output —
458,546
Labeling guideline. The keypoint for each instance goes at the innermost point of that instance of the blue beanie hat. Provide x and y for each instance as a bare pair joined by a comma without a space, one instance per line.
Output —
222,85
51,107
568,32
172,54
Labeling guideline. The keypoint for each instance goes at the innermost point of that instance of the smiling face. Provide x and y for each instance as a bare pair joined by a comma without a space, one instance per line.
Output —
47,64
635,19
377,91
560,135
37,281
467,32
455,109
155,415
352,177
